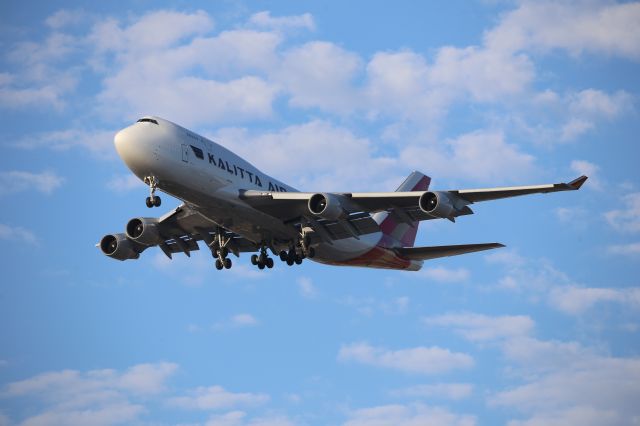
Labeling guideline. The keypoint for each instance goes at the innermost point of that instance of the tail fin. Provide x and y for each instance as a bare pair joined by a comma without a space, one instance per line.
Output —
400,229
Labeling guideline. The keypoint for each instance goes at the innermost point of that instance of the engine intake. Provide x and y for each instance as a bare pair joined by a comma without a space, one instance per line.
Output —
144,230
118,246
327,206
437,204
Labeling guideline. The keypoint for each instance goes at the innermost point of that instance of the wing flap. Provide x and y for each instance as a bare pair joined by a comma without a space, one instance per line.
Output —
434,252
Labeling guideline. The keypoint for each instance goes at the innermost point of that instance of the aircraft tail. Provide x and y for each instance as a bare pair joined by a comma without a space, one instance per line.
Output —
398,226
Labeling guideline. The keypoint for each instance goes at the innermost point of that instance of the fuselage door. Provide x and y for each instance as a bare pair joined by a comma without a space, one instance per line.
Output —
185,153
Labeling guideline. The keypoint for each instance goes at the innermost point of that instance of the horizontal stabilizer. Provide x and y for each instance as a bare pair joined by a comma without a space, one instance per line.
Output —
434,252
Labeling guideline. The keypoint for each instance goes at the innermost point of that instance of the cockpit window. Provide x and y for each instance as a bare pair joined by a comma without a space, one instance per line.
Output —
147,120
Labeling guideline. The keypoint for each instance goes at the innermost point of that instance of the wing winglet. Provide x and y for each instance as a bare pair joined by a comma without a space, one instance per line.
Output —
577,183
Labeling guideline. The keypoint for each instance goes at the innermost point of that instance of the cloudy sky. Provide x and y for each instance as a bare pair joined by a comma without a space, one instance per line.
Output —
325,96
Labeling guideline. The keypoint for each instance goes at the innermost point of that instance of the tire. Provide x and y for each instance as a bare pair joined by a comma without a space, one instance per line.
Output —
227,263
298,260
269,263
290,262
283,256
260,265
218,265
149,202
156,201
254,259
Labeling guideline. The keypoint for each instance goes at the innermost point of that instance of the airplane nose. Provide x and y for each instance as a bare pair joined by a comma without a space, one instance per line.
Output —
135,148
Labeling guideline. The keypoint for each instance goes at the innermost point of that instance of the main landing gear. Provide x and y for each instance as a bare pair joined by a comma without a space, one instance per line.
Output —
220,251
152,200
262,260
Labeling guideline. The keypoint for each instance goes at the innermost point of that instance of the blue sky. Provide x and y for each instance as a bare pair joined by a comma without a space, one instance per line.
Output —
325,96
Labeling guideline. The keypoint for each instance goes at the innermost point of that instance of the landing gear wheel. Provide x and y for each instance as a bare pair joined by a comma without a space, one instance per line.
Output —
260,265
298,260
283,256
289,262
269,263
156,201
254,259
149,202
227,263
224,252
219,265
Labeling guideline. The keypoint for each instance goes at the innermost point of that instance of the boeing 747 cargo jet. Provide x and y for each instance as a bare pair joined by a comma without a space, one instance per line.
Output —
232,207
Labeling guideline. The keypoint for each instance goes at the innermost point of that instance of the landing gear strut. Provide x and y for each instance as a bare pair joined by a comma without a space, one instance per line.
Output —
152,200
220,251
262,260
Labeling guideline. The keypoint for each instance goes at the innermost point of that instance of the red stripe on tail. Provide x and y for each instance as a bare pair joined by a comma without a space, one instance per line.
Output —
397,233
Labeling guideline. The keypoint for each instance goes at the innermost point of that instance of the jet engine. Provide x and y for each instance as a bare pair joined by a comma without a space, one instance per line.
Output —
118,246
144,230
327,206
438,204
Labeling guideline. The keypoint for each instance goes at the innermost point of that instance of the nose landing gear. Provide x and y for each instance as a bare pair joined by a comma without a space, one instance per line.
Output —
152,200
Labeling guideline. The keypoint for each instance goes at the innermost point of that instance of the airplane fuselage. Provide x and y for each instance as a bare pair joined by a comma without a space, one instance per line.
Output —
211,178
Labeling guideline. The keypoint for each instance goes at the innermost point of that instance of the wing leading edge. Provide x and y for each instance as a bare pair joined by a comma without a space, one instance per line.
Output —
411,205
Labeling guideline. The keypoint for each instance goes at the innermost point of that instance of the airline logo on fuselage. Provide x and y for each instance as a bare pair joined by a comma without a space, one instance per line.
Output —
235,170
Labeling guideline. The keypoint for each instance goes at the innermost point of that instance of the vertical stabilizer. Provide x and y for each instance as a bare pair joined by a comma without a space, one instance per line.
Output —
396,226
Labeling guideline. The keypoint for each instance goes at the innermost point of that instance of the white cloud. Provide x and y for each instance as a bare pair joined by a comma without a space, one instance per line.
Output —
631,249
478,327
574,215
265,20
97,397
442,274
124,183
97,142
419,360
588,26
566,383
319,74
239,418
16,181
486,74
407,415
590,106
244,320
236,321
626,219
576,300
17,233
482,156
64,17
588,169
368,306
216,398
158,74
155,30
306,287
338,159
453,391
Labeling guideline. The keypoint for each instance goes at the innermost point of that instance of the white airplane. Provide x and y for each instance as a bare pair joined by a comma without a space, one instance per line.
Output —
233,207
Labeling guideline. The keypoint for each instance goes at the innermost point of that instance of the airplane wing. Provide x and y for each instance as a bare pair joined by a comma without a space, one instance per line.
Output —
338,210
434,252
178,231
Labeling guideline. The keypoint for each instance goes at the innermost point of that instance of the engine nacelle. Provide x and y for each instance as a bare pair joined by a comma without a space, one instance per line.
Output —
144,230
327,206
118,246
437,204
